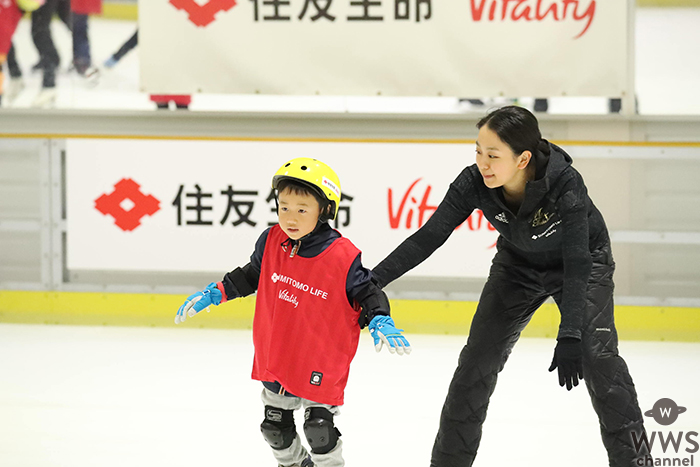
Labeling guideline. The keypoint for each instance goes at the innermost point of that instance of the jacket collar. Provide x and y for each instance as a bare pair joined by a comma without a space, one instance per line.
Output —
315,239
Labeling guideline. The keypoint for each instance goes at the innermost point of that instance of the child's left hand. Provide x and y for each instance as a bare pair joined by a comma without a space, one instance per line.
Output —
384,331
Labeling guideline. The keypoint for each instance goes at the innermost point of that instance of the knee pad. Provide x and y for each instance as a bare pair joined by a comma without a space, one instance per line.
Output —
278,428
320,431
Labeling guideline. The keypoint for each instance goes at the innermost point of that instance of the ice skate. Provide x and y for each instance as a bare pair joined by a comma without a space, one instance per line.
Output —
46,98
85,70
91,75
14,87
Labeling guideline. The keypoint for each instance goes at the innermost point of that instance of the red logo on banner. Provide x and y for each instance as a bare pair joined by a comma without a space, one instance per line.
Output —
203,15
127,219
422,208
411,205
531,10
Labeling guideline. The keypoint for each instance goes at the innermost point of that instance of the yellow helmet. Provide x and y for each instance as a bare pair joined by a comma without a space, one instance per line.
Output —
29,5
317,175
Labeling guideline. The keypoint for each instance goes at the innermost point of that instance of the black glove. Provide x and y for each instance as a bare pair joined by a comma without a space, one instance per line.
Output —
568,358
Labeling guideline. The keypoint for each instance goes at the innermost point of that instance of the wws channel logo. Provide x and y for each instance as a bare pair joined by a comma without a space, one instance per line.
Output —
675,445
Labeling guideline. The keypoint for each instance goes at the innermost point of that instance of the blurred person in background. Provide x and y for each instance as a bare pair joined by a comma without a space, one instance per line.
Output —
41,30
126,47
11,12
16,83
74,14
82,60
49,59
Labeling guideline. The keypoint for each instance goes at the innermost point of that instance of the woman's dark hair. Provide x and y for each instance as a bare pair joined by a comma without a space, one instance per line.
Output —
516,126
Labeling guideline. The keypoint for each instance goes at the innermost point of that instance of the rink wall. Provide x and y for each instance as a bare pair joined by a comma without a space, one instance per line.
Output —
640,171
680,324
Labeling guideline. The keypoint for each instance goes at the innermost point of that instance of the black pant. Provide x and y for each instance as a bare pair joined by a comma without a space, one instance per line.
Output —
12,64
512,294
41,30
127,46
81,43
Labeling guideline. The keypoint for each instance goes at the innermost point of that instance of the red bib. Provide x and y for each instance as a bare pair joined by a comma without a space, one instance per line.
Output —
305,331
10,14
86,7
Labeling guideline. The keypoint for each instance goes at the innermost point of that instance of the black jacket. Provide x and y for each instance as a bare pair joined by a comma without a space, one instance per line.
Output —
556,227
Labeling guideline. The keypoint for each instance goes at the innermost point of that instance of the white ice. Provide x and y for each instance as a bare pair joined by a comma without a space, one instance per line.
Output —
667,76
74,396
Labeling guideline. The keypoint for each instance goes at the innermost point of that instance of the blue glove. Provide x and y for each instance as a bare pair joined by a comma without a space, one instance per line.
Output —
199,301
383,331
110,62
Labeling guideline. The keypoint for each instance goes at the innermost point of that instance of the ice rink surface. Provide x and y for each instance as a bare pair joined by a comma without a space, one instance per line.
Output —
667,76
74,396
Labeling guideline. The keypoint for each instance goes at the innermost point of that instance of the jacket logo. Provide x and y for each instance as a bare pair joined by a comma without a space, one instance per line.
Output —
502,217
550,231
540,218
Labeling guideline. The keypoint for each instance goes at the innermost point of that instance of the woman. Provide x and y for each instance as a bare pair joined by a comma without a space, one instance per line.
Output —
553,242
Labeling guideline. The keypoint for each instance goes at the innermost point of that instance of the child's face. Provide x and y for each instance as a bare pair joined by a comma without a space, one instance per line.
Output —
298,214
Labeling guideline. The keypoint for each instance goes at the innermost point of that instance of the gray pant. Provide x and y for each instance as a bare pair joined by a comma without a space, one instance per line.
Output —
294,454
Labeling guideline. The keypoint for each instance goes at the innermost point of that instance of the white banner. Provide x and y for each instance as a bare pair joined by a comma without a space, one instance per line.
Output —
465,48
135,205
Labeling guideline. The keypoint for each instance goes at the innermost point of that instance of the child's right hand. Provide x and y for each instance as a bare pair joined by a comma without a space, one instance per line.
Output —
199,301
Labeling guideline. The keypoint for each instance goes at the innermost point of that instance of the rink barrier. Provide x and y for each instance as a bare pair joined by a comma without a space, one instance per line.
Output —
646,323
115,309
129,10
120,10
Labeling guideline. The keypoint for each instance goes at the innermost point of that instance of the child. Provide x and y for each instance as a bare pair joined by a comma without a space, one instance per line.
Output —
310,281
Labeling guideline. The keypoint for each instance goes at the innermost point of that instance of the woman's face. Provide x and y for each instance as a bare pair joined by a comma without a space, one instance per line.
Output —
497,163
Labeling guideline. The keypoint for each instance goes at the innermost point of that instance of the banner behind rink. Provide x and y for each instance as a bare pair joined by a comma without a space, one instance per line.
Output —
466,48
136,205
